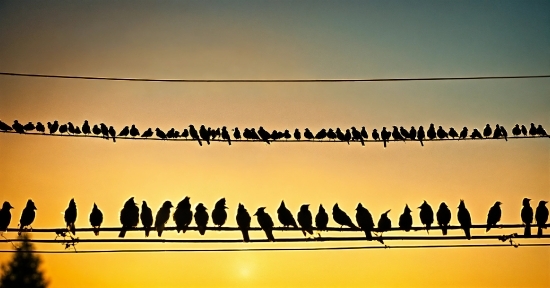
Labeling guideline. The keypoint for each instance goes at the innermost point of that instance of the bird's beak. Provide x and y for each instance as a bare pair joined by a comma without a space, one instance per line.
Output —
255,214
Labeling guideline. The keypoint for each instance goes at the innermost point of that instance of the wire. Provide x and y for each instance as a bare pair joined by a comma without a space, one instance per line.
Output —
268,80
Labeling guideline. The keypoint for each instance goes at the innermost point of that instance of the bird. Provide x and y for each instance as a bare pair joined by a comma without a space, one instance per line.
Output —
384,224
236,133
171,133
5,216
77,130
205,136
201,218
497,133
527,216
476,134
53,127
18,127
27,217
321,219
453,133
129,216
431,132
347,136
63,128
375,135
504,133
463,133
412,133
541,131
287,134
185,133
112,133
86,128
421,135
176,134
96,218
305,219
146,218
516,131
70,127
523,130
533,130
487,131
29,126
364,220
340,135
183,215
396,135
494,216
464,219
163,215
5,127
341,217
96,130
441,133
219,215
541,215
225,135
321,134
285,216
39,127
404,132
160,134
70,216
356,136
134,132
148,133
308,135
265,223
264,134
443,217
385,135
243,221
194,134
406,220
124,132
426,215
364,133
104,130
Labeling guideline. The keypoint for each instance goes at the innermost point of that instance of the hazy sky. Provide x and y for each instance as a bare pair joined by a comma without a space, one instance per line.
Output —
277,40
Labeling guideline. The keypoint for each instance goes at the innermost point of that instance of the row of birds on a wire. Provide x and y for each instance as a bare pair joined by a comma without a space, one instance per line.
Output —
206,134
183,215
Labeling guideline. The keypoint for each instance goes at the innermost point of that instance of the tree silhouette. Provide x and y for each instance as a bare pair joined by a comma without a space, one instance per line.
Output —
23,270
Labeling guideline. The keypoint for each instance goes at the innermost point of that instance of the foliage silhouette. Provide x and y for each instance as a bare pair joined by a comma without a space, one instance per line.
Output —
24,269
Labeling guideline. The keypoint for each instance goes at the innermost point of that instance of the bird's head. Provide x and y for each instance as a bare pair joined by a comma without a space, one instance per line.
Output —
95,206
30,204
424,205
7,206
304,207
335,207
443,205
72,203
167,204
386,213
359,206
542,203
221,204
143,203
407,209
526,201
498,203
461,205
200,207
260,211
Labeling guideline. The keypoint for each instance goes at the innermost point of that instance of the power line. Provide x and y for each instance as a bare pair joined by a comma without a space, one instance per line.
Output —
269,80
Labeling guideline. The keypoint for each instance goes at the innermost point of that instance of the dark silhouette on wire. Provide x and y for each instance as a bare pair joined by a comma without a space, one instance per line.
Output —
527,216
305,219
70,216
183,215
494,216
27,217
96,219
265,222
5,216
146,218
163,215
541,215
129,216
243,221
219,215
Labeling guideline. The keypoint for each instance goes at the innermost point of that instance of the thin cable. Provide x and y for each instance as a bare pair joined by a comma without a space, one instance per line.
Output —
268,80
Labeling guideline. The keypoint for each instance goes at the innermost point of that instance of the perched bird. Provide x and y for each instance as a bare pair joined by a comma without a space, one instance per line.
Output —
243,221
527,216
163,215
201,218
194,134
96,130
356,136
112,133
77,130
321,134
185,133
96,218
453,133
146,218
426,215
406,220
39,127
421,135
541,215
129,216
504,133
487,131
124,132
464,219
5,127
236,133
321,219
225,135
341,217
86,128
340,135
375,135
523,130
384,224
264,134
476,134
396,135
441,133
516,131
27,217
104,130
70,127
29,126
5,216
385,135
134,132
412,133
53,127
247,134
18,127
285,216
494,216
463,133
265,223
443,217
364,220
205,136
160,134
404,132
308,135
176,134
364,133
287,134
63,128
541,131
347,136
183,215
431,132
219,215
70,216
148,133
497,133
533,130
305,219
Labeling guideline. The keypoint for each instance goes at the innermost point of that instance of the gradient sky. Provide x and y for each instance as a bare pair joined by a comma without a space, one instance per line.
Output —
276,40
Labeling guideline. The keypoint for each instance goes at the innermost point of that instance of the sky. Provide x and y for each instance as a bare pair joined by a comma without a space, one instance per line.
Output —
277,40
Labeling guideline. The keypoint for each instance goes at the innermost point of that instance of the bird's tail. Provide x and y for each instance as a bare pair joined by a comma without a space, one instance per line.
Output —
384,143
444,229
506,138
368,235
269,235
229,141
207,141
114,139
122,232
428,226
202,229
72,228
539,231
467,232
310,231
488,228
246,238
421,143
147,231
362,141
96,231
527,231
200,143
21,230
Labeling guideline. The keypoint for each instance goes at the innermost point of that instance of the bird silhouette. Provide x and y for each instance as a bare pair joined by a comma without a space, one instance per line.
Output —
384,224
5,127
541,215
129,216
86,128
219,215
347,136
246,134
441,133
225,135
476,134
77,130
426,215
364,133
396,135
205,136
27,217
404,132
356,136
497,133
504,133
305,219
5,216
375,135
201,218
285,216
236,133
406,220
443,217
264,134
385,135
183,215
265,223
146,218
124,132
29,126
96,218
412,133
308,135
134,132
340,135
163,215
321,134
194,134
487,131
160,134
463,133
243,221
217,133
541,131
527,216
494,216
421,135
112,133
516,131
287,134
523,130
18,127
70,127
331,135
63,128
96,130
341,217
276,135
253,134
533,130
464,219
148,133
453,133
176,134
431,132
39,127
321,219
364,220
104,130
53,128
70,216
